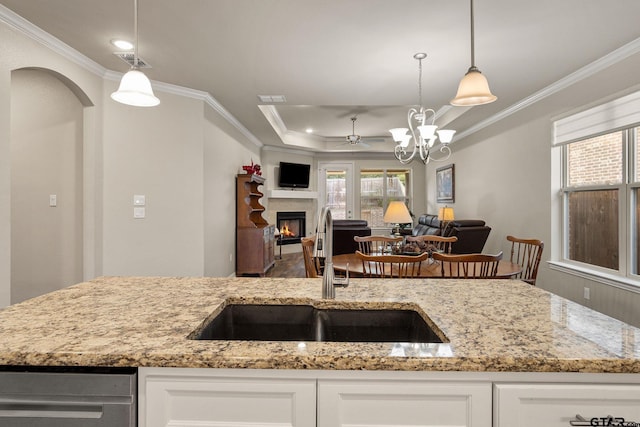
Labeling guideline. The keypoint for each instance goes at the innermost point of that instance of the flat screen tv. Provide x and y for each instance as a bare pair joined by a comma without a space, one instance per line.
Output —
294,175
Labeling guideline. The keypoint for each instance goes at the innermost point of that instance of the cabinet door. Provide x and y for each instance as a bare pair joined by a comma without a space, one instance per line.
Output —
199,401
403,403
555,405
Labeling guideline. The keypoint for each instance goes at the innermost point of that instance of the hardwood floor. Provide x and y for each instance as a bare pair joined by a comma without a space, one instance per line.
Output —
291,265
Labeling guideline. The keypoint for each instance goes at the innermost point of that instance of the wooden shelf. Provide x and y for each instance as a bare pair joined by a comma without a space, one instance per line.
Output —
255,238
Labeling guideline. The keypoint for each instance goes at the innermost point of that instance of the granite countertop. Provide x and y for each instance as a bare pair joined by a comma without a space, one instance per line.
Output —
490,325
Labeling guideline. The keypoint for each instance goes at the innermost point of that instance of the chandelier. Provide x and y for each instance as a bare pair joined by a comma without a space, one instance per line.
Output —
421,133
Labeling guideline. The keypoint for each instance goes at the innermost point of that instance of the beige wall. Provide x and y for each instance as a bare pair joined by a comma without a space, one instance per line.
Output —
46,159
223,159
18,51
504,175
183,156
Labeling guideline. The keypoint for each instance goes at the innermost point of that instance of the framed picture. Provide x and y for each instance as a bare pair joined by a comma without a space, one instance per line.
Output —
445,184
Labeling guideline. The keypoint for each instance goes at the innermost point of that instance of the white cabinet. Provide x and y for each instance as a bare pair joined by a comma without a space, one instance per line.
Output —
184,397
555,405
195,397
403,403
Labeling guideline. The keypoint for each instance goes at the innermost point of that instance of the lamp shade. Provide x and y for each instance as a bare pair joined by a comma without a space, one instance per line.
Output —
398,133
446,214
397,213
135,89
473,90
446,135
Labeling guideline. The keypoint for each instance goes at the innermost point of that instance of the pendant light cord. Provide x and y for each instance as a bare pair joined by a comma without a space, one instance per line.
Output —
135,33
420,82
473,55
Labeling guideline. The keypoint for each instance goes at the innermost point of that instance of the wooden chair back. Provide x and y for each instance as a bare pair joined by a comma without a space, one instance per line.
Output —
373,245
401,266
527,254
424,242
310,262
468,266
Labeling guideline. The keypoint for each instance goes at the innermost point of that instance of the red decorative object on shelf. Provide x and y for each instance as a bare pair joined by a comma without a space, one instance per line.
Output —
252,169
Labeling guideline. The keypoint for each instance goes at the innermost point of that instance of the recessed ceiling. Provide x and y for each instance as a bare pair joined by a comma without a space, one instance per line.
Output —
334,59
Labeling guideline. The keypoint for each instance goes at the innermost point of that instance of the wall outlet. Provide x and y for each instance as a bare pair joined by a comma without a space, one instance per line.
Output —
230,257
587,293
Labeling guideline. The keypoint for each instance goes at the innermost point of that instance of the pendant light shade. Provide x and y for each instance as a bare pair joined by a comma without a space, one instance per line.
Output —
473,90
135,89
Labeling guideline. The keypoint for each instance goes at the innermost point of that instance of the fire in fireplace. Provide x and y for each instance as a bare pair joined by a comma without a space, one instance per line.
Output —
291,226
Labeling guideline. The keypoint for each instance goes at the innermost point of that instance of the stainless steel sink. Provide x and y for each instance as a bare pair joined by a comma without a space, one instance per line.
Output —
258,322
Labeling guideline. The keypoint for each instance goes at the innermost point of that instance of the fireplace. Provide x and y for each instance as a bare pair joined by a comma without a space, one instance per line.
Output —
291,226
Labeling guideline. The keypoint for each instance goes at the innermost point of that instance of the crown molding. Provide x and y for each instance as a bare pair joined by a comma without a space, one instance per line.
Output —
588,70
25,27
28,29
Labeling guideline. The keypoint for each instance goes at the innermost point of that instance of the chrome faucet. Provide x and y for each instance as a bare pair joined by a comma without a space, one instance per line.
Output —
323,248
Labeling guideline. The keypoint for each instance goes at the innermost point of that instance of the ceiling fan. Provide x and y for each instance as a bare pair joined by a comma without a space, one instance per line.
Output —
357,140
353,139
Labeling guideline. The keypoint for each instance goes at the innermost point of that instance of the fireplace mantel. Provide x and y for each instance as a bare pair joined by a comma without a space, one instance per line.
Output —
292,194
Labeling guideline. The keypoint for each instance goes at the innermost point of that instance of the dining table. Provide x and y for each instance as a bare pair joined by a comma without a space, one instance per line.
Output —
428,268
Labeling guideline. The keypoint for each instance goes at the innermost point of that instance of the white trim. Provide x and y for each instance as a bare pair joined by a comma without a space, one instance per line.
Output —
596,276
615,114
292,194
25,27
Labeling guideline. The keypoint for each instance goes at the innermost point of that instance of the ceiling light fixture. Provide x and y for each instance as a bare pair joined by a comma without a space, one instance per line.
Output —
135,88
122,44
353,139
474,87
425,136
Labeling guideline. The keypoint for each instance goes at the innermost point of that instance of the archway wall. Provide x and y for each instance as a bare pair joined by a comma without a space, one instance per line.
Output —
46,184
18,51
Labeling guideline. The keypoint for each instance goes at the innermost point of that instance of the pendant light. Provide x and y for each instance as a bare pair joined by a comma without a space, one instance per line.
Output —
135,88
473,88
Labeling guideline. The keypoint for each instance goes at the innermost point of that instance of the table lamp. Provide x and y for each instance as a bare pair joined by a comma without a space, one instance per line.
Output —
445,215
397,213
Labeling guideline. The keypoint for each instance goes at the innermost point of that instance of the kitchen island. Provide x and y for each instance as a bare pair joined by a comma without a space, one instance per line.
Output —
494,331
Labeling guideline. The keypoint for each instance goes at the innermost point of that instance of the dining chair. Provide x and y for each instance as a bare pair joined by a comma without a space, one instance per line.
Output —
468,266
371,245
427,241
310,262
401,266
527,254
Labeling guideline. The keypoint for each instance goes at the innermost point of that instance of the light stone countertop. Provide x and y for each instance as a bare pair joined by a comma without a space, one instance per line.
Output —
491,325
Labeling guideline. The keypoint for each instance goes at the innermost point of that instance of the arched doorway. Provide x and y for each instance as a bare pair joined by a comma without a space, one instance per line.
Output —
46,183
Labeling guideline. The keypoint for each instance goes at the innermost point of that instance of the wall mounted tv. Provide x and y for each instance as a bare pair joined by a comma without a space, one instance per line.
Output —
294,175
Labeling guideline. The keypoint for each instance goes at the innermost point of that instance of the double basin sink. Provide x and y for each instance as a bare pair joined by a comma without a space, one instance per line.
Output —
269,322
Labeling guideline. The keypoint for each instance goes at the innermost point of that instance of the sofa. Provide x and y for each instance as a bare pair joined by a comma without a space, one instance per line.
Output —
344,231
472,234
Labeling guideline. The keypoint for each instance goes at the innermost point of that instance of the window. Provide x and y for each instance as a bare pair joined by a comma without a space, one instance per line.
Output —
378,187
600,179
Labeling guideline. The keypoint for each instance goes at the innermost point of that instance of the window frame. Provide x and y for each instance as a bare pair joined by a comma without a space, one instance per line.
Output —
628,190
408,199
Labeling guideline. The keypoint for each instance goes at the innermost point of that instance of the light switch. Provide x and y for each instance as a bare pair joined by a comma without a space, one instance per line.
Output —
53,200
139,213
139,200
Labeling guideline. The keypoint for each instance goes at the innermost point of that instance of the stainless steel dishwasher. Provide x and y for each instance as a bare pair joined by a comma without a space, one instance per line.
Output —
68,397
